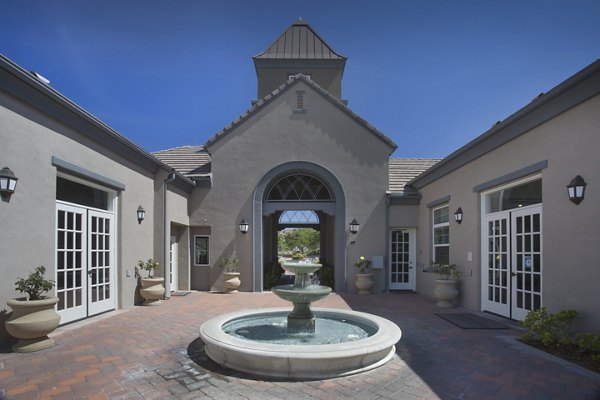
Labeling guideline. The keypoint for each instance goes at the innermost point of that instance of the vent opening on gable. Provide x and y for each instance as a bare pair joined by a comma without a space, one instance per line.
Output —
300,102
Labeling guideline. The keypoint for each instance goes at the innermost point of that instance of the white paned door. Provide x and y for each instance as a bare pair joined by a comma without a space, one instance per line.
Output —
100,271
512,262
85,271
526,261
402,259
71,260
496,269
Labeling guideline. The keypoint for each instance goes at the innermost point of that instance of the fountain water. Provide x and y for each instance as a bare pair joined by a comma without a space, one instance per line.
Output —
301,343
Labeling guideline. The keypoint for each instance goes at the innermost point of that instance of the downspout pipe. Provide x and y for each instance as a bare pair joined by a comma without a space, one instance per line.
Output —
166,239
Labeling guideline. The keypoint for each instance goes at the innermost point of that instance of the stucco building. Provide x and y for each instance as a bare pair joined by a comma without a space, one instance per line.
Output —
521,244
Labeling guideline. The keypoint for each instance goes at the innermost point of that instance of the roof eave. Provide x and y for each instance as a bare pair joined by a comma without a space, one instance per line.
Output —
43,97
584,85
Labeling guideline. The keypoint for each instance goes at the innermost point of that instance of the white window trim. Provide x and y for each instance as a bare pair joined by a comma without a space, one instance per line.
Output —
202,265
484,194
439,225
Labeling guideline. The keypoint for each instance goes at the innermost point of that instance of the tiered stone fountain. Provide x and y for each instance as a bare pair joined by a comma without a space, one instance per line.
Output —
300,344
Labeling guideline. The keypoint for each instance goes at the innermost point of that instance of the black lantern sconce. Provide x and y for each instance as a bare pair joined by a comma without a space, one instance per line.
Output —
244,225
141,214
458,215
8,182
354,225
576,189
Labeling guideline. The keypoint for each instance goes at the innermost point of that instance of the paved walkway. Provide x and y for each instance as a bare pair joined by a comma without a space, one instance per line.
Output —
155,353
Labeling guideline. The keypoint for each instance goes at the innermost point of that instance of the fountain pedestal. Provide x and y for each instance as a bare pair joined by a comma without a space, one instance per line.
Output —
302,293
301,319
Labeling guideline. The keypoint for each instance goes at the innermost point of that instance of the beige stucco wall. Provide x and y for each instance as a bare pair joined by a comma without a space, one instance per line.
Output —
570,144
403,216
323,135
30,140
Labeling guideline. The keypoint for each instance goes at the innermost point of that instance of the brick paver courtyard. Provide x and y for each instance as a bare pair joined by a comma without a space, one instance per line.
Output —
155,353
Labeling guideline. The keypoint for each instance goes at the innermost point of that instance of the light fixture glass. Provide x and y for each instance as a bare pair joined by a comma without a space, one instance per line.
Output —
458,215
576,189
354,226
244,226
8,183
141,214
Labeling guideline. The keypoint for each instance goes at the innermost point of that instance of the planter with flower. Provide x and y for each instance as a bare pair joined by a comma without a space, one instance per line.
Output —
231,276
364,278
446,288
152,289
34,316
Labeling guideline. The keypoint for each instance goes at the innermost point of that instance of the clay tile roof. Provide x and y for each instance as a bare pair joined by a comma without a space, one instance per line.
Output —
300,41
402,170
191,161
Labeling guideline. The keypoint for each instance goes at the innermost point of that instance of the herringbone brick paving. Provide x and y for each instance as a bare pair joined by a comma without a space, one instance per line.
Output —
155,353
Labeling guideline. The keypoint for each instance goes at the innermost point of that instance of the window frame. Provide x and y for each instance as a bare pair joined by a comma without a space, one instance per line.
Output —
207,237
438,225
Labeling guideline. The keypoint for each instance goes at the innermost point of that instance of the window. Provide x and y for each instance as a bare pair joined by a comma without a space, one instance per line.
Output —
518,196
299,187
201,250
441,235
74,192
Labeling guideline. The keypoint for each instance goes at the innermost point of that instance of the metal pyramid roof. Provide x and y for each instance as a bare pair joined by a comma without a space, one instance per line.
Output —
300,41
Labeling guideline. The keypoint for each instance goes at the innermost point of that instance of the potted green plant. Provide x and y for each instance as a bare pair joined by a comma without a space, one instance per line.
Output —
446,288
34,316
231,276
152,289
364,278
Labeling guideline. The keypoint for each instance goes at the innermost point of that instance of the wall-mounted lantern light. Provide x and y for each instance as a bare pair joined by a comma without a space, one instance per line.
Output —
576,189
8,182
141,214
244,225
354,226
458,215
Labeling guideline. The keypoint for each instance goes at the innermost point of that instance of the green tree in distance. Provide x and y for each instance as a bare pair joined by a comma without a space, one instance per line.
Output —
305,241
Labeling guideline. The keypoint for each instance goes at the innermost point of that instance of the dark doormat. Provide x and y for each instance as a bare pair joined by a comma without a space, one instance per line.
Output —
180,293
471,321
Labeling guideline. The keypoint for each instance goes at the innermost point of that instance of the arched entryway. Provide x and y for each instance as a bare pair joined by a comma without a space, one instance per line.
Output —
299,185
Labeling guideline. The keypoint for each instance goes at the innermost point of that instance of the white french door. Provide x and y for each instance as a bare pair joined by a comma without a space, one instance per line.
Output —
173,262
71,259
84,261
101,295
402,259
526,261
512,262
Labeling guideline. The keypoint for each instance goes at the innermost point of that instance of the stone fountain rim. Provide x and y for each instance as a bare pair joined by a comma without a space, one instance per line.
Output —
298,361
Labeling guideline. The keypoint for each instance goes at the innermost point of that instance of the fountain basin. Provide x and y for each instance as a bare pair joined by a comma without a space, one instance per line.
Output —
313,361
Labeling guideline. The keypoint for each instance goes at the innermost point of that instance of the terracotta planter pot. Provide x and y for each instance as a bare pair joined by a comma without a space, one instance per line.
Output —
446,292
153,291
364,283
31,322
231,282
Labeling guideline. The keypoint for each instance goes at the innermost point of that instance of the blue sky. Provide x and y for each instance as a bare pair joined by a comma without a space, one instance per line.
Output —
431,75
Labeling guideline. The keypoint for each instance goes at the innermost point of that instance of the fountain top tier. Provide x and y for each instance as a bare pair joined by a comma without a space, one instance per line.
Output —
301,268
303,290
